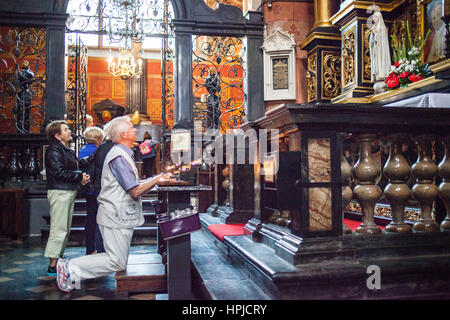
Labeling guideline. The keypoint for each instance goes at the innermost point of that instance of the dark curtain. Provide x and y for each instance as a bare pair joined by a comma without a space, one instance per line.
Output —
136,98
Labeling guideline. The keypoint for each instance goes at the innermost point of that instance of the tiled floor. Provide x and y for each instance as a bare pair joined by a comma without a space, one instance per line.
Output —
23,275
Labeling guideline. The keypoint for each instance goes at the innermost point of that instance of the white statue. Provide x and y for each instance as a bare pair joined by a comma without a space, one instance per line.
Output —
380,58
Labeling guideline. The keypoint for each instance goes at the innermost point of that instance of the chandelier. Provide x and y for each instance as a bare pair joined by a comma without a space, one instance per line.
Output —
124,64
129,28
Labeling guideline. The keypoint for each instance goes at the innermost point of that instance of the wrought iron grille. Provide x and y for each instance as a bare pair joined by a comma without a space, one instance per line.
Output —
105,17
22,79
218,82
76,91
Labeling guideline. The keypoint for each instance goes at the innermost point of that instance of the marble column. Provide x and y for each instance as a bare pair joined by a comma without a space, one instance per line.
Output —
254,83
425,191
347,193
397,170
183,81
55,99
444,187
367,192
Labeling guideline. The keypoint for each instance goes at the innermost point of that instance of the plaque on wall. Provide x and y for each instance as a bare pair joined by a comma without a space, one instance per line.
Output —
280,73
180,140
279,66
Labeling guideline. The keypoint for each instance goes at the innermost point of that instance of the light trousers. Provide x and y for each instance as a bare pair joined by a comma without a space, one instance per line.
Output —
117,244
62,203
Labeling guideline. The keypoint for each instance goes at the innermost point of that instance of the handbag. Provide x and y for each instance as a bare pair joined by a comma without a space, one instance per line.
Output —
145,148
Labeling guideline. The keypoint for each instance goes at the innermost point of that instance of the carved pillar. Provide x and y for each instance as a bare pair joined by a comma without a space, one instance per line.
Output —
397,170
226,184
347,193
323,44
425,191
355,55
31,168
183,76
444,187
15,167
366,192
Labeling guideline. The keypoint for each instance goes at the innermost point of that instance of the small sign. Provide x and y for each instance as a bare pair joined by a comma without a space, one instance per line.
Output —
280,74
180,140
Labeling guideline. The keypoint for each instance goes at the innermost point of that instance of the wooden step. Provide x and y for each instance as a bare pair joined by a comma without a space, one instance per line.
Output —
144,273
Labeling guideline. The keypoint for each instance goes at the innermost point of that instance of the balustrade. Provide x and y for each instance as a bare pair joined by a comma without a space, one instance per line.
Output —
20,164
397,192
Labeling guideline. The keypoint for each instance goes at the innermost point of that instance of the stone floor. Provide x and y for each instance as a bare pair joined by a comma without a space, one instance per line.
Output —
23,275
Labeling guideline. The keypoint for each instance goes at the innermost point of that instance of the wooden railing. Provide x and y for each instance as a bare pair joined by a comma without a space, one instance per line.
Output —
397,170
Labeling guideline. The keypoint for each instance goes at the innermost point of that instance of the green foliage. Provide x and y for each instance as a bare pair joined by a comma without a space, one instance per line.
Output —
401,51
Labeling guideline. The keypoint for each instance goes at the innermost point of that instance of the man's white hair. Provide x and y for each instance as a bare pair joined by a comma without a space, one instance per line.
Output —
117,126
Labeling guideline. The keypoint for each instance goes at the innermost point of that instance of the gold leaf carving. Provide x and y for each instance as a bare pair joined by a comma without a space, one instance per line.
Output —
331,74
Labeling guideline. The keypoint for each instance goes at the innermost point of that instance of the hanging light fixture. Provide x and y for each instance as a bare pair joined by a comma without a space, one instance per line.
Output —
131,32
124,64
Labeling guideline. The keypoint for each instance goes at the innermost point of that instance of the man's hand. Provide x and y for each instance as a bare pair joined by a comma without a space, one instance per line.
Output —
86,178
164,177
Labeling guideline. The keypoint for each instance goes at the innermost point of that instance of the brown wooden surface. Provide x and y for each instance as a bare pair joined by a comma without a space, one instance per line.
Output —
205,199
11,213
144,273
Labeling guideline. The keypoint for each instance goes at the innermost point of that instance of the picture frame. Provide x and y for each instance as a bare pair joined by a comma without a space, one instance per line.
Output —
430,13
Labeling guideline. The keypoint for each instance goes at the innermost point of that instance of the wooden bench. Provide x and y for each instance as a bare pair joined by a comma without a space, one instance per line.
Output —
144,273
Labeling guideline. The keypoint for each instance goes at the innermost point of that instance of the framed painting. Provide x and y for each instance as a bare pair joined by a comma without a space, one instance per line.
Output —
431,13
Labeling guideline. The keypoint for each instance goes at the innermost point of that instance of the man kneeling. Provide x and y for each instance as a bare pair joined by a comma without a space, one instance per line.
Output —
119,211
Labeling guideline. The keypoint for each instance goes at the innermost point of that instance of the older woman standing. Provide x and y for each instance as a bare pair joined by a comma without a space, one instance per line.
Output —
63,177
94,136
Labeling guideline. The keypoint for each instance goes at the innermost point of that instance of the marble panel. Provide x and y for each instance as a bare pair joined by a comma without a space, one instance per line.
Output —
319,160
320,211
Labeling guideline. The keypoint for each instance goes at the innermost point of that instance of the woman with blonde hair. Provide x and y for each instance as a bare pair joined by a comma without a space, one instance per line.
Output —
94,136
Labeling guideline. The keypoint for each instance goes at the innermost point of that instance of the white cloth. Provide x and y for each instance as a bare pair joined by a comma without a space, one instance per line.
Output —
117,242
116,208
380,57
428,100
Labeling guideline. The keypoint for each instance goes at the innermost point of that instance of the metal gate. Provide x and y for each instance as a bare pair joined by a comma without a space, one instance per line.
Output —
76,92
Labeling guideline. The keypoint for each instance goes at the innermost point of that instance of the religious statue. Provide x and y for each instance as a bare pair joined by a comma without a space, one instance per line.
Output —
380,58
213,87
22,107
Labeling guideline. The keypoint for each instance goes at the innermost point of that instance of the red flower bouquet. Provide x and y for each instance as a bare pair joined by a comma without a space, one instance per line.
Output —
407,67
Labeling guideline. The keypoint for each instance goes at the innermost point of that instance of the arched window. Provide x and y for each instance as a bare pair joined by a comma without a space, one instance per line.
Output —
102,24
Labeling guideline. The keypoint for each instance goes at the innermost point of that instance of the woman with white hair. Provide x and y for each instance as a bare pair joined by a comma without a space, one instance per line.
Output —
94,136
119,211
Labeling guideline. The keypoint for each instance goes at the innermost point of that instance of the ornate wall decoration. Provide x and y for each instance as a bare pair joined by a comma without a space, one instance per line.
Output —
218,82
76,91
331,74
348,58
311,75
398,29
384,210
22,79
366,67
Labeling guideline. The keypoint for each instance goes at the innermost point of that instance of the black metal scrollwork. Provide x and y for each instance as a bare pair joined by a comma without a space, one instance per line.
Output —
219,73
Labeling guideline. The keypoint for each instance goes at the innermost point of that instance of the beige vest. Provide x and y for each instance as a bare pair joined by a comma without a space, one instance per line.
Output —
116,208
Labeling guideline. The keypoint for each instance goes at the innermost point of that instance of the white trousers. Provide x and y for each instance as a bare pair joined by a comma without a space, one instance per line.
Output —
117,244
